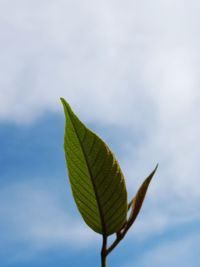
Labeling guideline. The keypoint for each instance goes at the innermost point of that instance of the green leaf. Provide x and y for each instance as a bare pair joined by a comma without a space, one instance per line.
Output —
137,201
96,179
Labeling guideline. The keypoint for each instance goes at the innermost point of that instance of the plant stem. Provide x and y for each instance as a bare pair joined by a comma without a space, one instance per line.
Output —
104,251
103,261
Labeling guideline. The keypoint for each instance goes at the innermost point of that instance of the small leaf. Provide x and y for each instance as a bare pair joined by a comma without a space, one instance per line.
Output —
96,179
136,202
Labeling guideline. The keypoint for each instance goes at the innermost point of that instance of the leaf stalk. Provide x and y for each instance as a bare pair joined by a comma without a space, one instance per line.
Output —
104,251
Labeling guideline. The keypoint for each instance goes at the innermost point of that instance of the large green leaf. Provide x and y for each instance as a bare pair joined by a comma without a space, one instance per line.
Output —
96,179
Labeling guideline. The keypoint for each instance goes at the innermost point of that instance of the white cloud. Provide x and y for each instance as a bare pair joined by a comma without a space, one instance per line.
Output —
124,56
173,253
126,63
33,216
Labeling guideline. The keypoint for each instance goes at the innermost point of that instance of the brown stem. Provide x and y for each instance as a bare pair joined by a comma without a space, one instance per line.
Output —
104,251
121,233
119,237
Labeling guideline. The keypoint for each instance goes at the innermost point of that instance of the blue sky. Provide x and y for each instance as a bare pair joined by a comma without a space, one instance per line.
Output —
130,72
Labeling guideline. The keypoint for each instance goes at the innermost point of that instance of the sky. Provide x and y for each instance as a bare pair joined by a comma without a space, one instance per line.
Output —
130,71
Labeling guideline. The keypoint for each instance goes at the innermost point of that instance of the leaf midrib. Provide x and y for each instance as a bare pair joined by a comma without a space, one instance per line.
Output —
93,184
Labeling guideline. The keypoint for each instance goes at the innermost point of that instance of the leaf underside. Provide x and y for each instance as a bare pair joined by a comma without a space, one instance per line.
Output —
95,176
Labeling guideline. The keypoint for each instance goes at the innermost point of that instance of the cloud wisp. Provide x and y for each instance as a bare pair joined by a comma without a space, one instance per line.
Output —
182,251
34,219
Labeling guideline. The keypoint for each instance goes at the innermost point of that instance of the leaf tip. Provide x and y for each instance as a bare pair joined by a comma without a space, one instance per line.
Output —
65,104
62,100
156,168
